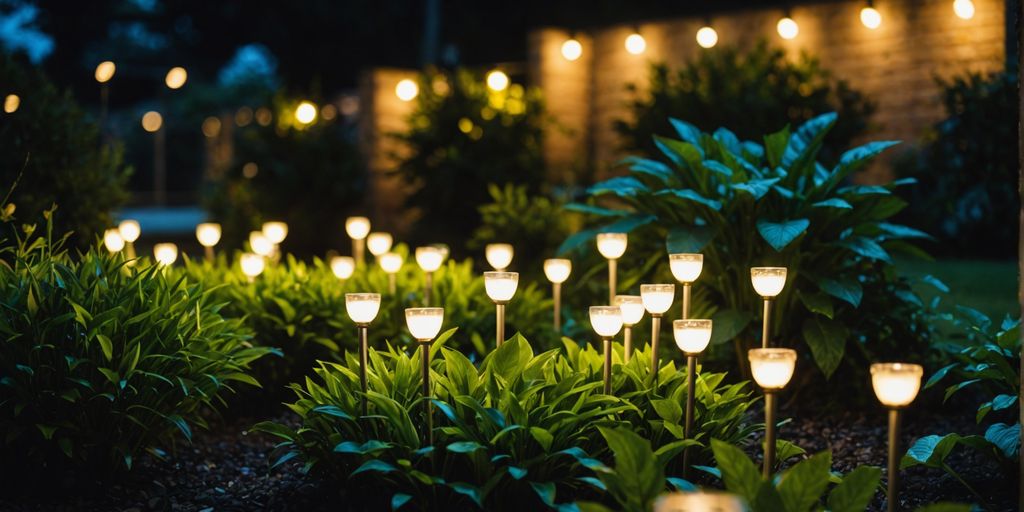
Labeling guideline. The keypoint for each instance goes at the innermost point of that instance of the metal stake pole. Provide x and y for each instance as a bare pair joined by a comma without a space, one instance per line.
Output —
556,293
894,441
686,301
627,342
499,310
655,331
769,434
611,281
765,325
428,410
363,360
607,366
691,383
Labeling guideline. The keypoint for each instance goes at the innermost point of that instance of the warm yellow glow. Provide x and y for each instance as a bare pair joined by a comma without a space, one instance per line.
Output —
362,308
260,244
497,80
632,307
343,266
130,230
424,323
391,262
557,270
658,297
870,17
896,384
787,27
501,286
572,49
612,245
176,77
152,121
112,240
208,234
11,103
429,258
357,227
244,116
686,267
328,112
211,127
772,367
699,502
768,281
465,125
606,320
692,336
264,116
499,256
250,170
707,37
252,264
964,9
275,231
165,254
379,243
636,44
105,71
305,113
407,90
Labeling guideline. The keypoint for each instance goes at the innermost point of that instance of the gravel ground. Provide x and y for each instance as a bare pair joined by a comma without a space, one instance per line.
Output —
225,470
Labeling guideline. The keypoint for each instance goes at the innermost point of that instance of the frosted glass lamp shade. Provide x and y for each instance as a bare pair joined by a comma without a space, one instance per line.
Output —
113,241
357,227
362,308
130,230
692,336
657,297
424,323
611,245
429,258
379,243
252,264
501,286
499,256
391,262
686,267
606,320
557,270
343,266
208,234
768,281
632,307
165,254
275,231
896,384
772,368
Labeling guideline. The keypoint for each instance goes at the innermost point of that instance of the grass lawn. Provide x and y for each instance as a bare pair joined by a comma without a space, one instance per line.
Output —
988,286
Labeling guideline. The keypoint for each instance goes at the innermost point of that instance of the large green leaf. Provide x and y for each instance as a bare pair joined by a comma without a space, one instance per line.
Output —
854,493
691,195
1005,437
738,471
805,142
683,154
780,234
846,288
827,340
775,146
729,323
854,160
756,188
688,239
803,484
930,451
622,186
649,167
865,247
595,210
635,466
686,131
816,302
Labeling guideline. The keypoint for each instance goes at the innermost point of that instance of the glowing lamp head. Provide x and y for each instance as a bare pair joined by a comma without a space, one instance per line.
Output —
379,243
208,234
11,103
165,254
787,28
964,9
105,71
362,308
772,367
176,77
252,264
343,266
407,90
896,384
768,281
700,502
429,258
557,270
657,297
632,307
572,50
499,256
391,262
424,323
870,17
357,227
260,244
606,320
112,240
305,113
686,267
152,121
707,37
612,245
276,232
692,336
501,286
635,44
130,230
497,80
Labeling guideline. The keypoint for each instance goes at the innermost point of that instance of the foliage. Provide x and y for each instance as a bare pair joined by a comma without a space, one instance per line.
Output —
753,92
51,153
311,177
462,137
963,196
745,204
522,431
101,361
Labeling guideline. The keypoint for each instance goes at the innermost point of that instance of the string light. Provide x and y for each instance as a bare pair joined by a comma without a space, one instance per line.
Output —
787,27
870,16
407,90
964,9
572,49
707,37
635,43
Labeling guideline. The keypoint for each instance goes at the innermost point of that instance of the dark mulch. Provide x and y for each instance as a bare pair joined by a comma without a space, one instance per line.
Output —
226,470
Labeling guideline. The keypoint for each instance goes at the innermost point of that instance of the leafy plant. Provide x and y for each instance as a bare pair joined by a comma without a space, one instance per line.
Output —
101,361
745,204
753,92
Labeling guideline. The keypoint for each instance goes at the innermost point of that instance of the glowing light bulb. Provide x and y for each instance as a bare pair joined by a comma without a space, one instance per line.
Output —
657,297
964,9
362,308
896,384
165,254
686,267
497,80
130,230
612,245
635,44
768,281
499,256
343,266
407,90
391,262
105,71
305,113
572,49
112,240
557,270
501,286
379,243
176,77
692,336
707,37
606,320
787,28
632,307
357,227
429,258
275,231
424,323
252,264
870,17
208,234
260,244
772,368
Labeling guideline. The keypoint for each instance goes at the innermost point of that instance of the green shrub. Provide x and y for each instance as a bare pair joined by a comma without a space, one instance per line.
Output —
52,150
517,433
754,92
462,137
745,204
101,361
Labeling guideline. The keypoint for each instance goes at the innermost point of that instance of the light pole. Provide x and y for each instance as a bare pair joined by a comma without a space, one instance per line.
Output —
612,246
429,259
772,369
632,312
500,286
362,308
896,385
424,324
686,268
557,271
768,283
657,300
692,337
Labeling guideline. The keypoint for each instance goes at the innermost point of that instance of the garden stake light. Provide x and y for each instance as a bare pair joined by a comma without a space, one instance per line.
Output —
112,240
260,244
499,256
275,231
429,259
700,501
391,263
607,322
768,283
557,271
130,231
358,228
379,243
362,308
612,246
252,265
657,300
632,312
692,337
895,385
772,368
343,266
165,254
686,268
208,234
500,286
424,324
